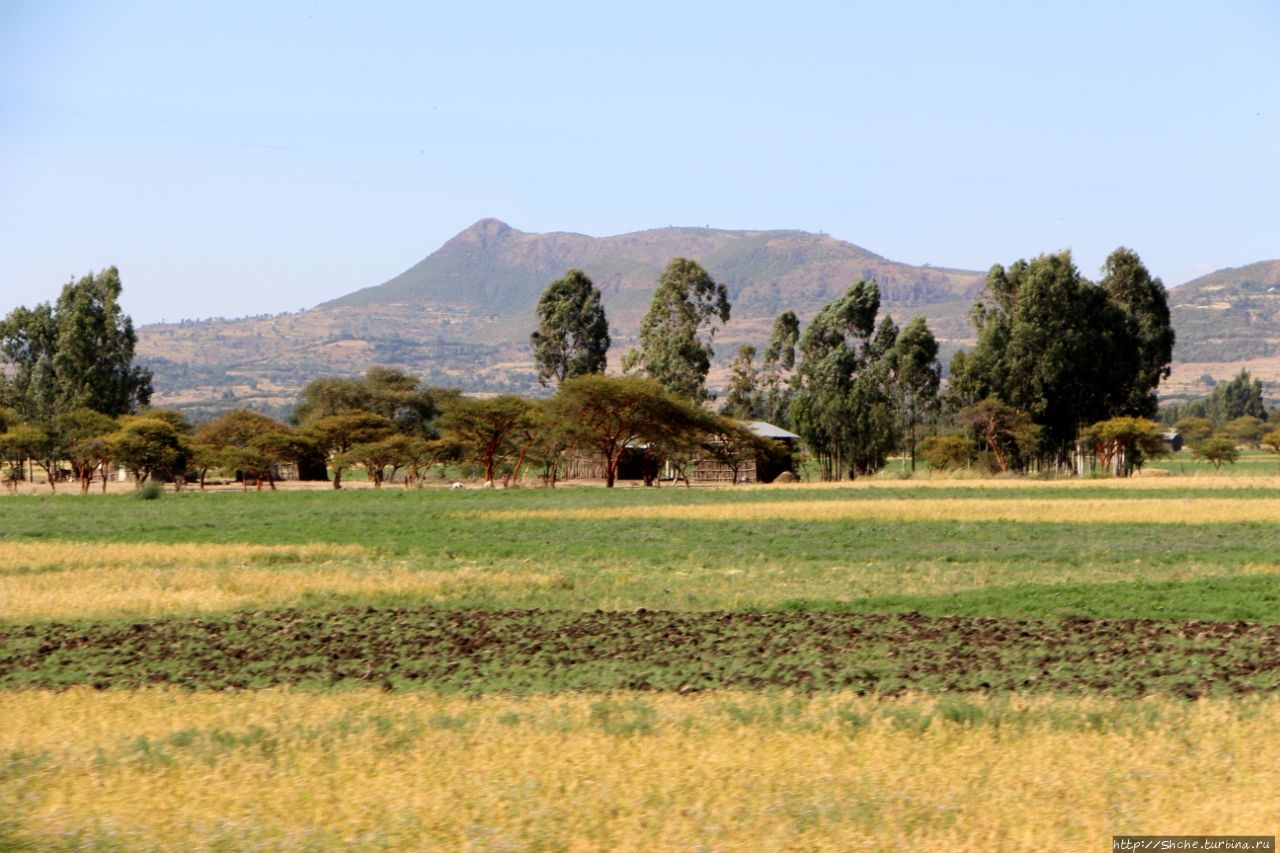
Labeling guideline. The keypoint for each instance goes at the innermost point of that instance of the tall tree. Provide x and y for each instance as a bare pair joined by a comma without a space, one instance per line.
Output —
573,333
1129,285
1062,349
75,354
28,344
842,407
743,399
676,334
776,370
916,378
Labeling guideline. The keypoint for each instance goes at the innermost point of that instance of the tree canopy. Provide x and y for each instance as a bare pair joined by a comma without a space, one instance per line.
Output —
675,335
74,354
850,385
608,413
572,338
1066,351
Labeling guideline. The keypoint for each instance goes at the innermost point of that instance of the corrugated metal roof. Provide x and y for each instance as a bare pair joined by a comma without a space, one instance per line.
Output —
768,430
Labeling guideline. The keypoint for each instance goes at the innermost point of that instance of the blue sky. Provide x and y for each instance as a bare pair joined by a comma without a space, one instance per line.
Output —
238,158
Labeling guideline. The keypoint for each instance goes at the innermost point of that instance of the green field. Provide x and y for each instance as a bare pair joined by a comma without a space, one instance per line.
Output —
1161,549
891,663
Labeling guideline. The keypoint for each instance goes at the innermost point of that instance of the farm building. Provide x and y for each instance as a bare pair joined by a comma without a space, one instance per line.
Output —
719,464
755,467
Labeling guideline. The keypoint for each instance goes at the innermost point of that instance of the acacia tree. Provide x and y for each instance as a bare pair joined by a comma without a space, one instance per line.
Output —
28,443
1124,443
1246,429
608,413
573,333
676,334
491,429
245,441
1218,450
1009,434
155,444
335,435
84,436
1271,441
947,452
1194,428
384,391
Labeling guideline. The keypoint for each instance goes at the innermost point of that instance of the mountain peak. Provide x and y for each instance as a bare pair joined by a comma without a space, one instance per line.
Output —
484,233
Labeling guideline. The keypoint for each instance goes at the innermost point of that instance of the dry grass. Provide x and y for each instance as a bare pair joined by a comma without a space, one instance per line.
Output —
733,771
71,580
1014,508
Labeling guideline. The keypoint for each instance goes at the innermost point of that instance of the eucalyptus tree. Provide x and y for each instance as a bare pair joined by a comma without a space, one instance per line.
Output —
77,353
676,334
1129,284
917,376
1065,351
743,399
573,332
777,368
843,408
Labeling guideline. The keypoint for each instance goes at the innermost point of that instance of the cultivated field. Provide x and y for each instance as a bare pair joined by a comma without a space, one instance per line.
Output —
967,665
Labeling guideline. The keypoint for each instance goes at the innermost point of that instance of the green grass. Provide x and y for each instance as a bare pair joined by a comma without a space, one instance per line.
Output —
1226,599
618,562
1252,463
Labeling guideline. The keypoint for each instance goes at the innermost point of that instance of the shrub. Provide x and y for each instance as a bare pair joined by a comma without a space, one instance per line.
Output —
149,491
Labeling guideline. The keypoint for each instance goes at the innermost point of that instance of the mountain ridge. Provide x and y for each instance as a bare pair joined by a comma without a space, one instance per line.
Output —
463,314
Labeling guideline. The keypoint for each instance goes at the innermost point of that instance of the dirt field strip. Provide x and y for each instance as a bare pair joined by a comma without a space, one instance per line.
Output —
485,651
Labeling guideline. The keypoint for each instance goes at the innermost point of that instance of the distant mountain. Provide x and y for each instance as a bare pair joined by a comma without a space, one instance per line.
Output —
463,315
495,269
1228,315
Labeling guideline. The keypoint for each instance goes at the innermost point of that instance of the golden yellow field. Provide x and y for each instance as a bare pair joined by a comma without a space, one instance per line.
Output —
723,771
77,580
908,507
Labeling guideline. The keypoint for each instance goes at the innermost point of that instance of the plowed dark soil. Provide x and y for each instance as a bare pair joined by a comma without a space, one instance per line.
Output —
544,651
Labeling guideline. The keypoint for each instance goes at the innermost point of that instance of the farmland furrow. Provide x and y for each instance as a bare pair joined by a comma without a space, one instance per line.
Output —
474,651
